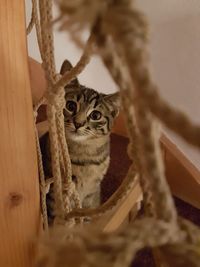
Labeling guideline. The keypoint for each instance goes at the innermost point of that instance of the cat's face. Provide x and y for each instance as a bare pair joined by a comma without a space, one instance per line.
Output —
87,113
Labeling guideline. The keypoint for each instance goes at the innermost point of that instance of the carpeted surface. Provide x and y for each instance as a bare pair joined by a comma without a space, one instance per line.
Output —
118,168
117,171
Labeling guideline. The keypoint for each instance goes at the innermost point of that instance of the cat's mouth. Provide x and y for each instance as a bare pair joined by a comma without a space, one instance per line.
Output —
77,137
75,131
76,134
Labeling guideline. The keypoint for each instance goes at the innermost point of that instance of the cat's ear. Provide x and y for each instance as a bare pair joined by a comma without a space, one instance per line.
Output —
114,101
67,66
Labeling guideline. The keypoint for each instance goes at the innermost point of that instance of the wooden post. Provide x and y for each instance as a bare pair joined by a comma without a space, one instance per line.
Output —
19,190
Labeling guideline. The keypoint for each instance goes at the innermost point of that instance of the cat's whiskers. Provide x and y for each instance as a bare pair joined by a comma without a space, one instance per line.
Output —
81,131
88,132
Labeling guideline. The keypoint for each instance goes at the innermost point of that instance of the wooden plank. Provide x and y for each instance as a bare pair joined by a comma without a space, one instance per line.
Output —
19,190
42,128
183,177
121,212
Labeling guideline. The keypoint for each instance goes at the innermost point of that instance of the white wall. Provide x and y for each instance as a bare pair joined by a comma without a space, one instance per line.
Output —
175,52
175,49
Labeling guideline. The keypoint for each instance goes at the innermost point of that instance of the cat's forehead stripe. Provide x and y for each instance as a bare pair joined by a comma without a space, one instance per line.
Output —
84,95
94,97
88,95
96,102
106,106
78,97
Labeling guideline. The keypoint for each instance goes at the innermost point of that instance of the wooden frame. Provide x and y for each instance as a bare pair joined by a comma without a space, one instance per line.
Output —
19,189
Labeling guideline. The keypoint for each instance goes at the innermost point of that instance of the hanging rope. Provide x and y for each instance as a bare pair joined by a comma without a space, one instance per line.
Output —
62,183
112,63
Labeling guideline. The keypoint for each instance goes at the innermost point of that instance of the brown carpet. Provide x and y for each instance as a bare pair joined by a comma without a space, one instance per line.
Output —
119,165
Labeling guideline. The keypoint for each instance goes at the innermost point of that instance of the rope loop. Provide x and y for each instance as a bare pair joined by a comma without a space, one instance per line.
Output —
57,99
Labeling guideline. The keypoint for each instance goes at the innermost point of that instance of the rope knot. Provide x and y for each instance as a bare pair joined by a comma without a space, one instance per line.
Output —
44,189
57,77
69,188
57,99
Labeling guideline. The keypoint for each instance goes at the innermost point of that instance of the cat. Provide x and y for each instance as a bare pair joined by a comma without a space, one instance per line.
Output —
88,119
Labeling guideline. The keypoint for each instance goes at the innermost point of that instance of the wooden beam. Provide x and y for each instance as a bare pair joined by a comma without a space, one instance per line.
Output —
113,220
42,128
183,177
19,190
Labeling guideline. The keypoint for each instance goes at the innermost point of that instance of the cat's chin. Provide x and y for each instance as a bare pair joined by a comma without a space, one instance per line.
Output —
76,137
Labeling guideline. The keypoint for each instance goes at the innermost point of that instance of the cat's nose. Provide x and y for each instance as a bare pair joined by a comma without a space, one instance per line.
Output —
78,124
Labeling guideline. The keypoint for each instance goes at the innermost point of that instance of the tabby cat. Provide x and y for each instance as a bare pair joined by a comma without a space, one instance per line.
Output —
89,117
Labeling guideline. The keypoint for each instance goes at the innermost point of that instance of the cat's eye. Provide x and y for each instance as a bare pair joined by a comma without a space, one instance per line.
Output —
95,115
71,106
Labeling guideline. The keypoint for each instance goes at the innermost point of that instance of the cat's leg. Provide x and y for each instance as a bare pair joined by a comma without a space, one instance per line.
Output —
92,200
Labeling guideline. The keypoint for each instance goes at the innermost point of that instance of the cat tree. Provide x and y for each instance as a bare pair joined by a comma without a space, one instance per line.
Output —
20,208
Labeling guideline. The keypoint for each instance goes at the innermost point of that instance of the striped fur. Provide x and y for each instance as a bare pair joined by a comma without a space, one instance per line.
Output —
89,117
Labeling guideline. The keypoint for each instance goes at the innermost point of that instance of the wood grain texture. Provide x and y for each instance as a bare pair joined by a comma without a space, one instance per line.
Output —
183,177
115,219
19,190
